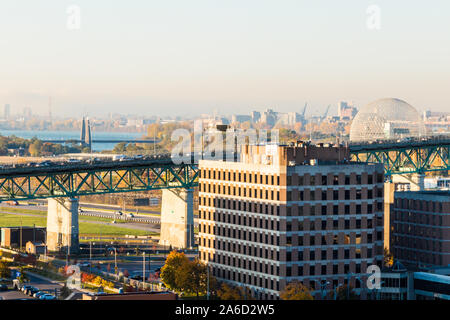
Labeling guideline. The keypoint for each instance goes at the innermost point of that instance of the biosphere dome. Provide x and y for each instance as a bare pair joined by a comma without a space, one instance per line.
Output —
386,119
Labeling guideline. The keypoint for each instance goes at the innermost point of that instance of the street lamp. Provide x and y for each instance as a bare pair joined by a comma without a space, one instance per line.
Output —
115,260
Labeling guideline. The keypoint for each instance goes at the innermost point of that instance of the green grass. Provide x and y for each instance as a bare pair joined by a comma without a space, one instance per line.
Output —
9,220
99,229
44,213
21,210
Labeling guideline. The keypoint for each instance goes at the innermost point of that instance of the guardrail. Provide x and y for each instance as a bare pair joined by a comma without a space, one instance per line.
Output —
122,217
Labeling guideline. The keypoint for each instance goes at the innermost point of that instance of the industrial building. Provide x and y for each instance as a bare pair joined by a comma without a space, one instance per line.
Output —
15,237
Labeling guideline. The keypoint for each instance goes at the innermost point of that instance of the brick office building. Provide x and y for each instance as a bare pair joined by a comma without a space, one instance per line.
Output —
288,213
420,234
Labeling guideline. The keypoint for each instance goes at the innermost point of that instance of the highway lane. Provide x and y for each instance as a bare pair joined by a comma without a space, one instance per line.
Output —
84,205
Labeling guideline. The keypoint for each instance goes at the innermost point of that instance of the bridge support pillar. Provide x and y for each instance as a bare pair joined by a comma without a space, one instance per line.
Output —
418,182
177,218
409,182
389,189
62,225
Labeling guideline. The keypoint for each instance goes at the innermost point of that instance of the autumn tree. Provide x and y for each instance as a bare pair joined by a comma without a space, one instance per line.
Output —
175,262
388,257
229,292
5,271
193,278
295,290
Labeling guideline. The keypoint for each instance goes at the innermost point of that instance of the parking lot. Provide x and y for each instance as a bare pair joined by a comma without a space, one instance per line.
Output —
13,294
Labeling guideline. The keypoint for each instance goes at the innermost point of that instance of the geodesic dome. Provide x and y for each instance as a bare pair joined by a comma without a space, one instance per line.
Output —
386,119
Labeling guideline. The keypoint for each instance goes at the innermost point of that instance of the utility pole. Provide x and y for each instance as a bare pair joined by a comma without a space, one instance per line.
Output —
90,256
143,269
115,260
207,281
20,233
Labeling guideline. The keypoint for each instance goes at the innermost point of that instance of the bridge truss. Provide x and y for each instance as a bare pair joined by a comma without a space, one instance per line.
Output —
406,158
78,182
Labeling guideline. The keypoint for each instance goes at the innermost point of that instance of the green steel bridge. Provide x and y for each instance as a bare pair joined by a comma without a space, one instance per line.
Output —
408,157
73,180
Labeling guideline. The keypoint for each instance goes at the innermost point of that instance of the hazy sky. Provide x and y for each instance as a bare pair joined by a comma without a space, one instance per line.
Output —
170,57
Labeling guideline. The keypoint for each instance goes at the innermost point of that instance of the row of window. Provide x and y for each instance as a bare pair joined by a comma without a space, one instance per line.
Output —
249,279
292,210
419,217
328,180
420,205
216,174
420,244
334,195
256,178
420,231
413,255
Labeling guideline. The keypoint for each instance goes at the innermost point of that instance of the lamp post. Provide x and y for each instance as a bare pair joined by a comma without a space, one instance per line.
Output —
143,269
115,260
90,256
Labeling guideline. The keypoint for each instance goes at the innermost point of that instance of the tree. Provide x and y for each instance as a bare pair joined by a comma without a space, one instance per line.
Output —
295,290
193,278
175,262
5,271
229,292
388,257
23,277
35,148
346,292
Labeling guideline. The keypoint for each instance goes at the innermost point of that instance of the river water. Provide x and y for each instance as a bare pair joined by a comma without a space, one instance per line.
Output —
67,135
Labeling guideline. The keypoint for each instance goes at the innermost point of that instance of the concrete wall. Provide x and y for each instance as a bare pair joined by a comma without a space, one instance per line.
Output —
177,218
62,225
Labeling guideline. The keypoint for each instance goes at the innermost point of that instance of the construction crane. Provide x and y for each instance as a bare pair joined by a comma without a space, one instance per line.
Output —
326,113
304,110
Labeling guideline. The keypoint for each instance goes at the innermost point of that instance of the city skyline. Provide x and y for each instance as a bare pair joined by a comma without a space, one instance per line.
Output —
158,58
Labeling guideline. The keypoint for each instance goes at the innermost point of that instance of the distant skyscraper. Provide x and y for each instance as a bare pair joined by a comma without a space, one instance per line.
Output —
346,111
85,137
7,111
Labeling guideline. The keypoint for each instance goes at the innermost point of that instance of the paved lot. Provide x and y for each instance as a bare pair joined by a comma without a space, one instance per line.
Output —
35,282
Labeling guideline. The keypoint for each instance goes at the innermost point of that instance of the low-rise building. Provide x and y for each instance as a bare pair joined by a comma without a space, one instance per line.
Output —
420,228
14,237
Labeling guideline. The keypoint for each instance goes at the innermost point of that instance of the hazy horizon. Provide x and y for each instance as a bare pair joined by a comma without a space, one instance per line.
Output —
169,58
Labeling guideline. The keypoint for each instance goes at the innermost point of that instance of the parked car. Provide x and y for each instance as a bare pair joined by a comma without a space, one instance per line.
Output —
3,287
24,288
47,296
32,291
38,294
